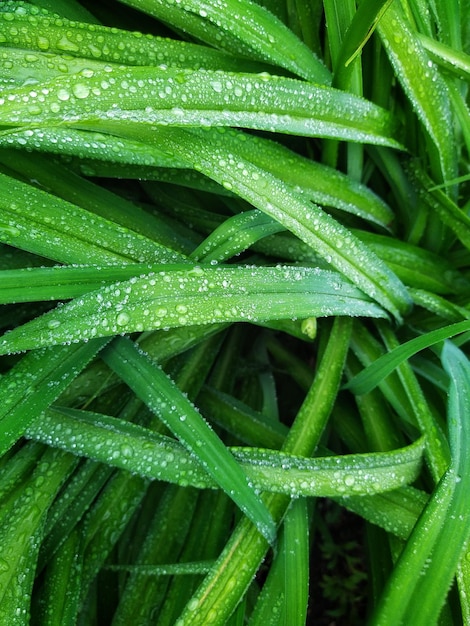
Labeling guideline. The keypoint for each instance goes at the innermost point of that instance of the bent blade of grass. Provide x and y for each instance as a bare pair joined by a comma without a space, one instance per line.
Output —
420,582
374,373
162,396
176,296
21,533
234,235
422,83
35,382
39,222
332,241
197,98
94,45
150,455
226,584
359,32
242,27
456,61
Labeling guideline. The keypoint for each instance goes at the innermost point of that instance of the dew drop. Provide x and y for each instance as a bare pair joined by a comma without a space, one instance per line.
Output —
81,91
122,319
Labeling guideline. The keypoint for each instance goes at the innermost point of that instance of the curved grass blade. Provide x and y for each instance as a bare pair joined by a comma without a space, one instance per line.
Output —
162,396
144,453
236,234
422,83
176,296
21,533
35,382
359,32
420,582
87,100
242,27
456,61
218,159
36,221
76,45
373,374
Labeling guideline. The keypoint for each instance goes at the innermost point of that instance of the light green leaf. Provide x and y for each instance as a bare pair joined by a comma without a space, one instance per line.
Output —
120,100
35,382
422,83
162,396
176,296
145,453
242,27
47,43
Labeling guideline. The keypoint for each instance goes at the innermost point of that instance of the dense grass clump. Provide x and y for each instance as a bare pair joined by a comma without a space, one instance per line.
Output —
235,287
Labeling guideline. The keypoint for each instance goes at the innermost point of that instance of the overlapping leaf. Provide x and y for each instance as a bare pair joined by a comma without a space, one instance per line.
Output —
179,296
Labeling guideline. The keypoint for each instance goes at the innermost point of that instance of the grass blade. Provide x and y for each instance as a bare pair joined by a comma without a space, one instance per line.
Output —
442,532
372,375
163,397
36,381
196,98
242,27
422,83
175,296
147,454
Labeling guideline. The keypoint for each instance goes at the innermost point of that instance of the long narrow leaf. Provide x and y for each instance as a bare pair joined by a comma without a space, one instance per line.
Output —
150,455
176,296
163,397
36,381
242,27
148,97
372,375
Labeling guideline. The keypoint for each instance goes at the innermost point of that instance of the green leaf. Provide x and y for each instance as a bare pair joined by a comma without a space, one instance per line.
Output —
44,40
150,455
87,100
152,385
242,27
422,83
372,375
35,382
176,296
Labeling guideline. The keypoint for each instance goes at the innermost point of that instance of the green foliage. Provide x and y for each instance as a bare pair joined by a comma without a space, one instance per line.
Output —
227,229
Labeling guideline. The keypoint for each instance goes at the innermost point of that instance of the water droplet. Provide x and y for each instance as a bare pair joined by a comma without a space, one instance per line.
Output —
122,319
81,91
